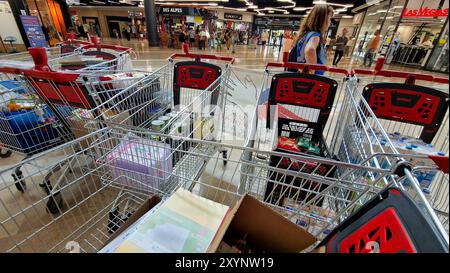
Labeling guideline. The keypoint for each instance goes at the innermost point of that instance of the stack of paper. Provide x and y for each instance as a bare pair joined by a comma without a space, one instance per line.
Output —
183,223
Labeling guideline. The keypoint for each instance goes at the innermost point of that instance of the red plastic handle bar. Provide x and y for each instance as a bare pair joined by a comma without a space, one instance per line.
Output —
286,64
40,59
441,161
189,55
310,66
75,41
112,47
378,71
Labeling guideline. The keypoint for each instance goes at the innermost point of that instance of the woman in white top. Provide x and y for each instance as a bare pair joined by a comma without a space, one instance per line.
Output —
264,38
203,39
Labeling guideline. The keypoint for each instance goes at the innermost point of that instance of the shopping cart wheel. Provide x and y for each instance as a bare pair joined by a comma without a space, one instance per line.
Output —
54,203
4,153
18,179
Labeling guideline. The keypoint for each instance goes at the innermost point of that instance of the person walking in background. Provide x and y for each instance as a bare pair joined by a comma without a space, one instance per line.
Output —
192,37
116,33
97,30
234,41
264,37
341,42
309,46
371,48
203,39
81,31
134,30
128,32
228,39
287,41
182,38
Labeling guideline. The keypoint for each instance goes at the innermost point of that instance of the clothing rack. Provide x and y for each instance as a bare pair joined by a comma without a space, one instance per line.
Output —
410,54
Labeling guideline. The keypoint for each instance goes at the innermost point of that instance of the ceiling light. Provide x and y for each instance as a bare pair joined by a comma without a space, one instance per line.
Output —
242,9
286,12
319,2
253,7
340,10
347,16
270,11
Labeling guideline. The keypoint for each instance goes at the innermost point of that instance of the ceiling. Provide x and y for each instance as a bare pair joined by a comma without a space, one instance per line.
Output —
259,7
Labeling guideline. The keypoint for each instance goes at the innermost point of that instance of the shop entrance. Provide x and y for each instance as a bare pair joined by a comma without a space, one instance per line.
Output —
117,22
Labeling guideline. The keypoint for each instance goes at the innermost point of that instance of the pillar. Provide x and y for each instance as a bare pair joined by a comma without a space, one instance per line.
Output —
150,21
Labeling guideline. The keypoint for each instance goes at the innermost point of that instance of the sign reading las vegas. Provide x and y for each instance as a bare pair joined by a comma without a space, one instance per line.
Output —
425,12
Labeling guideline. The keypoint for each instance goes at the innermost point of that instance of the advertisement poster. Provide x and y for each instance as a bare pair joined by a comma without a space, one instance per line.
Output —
34,31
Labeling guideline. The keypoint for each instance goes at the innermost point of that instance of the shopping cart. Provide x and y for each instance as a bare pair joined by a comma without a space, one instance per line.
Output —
347,134
192,96
91,204
415,116
30,124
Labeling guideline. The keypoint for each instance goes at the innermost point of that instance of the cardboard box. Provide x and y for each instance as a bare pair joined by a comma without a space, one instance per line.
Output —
265,228
144,208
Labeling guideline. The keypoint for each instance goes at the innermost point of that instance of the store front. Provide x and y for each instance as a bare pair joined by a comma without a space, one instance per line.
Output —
172,18
241,22
53,16
275,29
411,32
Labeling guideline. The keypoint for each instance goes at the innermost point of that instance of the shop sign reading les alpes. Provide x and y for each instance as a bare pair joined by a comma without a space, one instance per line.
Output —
425,12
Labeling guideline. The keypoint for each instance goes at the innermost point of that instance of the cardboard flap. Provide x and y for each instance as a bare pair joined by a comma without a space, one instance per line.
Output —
146,206
224,227
268,229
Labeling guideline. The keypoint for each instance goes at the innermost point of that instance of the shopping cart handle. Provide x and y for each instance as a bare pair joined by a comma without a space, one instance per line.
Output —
409,76
198,57
441,161
75,41
336,70
112,47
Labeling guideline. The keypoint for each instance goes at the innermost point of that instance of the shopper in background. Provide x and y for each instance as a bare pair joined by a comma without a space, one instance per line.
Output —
192,37
183,36
128,32
372,46
341,42
116,33
203,39
141,31
287,41
264,37
234,40
228,40
97,30
81,31
309,46
134,30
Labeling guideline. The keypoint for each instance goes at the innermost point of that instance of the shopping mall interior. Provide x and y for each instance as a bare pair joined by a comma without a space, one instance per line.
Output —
227,126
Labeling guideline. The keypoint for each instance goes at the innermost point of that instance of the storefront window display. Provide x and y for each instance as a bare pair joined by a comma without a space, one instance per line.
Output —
407,34
374,18
417,33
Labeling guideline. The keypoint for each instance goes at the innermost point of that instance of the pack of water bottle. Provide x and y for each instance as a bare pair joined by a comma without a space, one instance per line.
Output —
376,142
415,146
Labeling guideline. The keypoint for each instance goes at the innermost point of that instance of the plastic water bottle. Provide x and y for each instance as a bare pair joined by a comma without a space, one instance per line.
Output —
428,195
